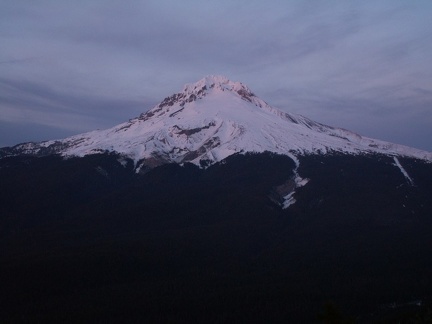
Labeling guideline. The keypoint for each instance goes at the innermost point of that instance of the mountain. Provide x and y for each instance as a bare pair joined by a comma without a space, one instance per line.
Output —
215,207
208,121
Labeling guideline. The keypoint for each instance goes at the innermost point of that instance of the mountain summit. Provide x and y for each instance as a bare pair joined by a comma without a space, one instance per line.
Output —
308,213
208,121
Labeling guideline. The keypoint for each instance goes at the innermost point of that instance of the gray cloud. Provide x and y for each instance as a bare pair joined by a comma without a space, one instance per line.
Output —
33,106
76,66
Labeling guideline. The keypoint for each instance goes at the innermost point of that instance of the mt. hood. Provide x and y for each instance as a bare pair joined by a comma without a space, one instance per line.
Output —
159,220
208,121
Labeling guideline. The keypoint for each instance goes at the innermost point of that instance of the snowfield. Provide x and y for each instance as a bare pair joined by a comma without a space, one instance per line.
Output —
210,120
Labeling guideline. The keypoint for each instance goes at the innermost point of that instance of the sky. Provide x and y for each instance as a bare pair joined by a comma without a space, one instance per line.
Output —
67,67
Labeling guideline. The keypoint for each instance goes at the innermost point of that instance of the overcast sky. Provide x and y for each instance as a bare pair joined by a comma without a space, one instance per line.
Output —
68,67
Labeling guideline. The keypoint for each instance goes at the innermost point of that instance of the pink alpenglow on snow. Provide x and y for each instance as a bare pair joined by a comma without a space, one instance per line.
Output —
211,119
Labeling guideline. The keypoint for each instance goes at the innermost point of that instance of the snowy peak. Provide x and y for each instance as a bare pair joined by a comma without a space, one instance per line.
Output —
208,121
218,83
210,85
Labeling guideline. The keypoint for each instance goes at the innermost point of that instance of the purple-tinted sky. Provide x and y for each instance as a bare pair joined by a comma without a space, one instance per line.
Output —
68,67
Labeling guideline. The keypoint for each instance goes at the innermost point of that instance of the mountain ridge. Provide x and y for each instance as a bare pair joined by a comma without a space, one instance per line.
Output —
175,232
208,121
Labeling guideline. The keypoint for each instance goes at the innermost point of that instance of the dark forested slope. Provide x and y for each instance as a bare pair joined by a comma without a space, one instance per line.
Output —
89,239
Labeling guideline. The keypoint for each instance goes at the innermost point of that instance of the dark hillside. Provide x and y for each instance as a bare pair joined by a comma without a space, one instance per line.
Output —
87,239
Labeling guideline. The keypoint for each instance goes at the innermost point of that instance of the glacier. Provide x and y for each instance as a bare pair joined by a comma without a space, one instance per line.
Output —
210,120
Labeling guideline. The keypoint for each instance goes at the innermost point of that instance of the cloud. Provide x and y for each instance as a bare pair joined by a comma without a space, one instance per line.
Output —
24,102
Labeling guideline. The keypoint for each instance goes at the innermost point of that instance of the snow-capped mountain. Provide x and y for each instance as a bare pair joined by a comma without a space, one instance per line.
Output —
260,232
210,120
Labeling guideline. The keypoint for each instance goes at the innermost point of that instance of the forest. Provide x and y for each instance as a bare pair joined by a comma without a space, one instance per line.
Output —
88,239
